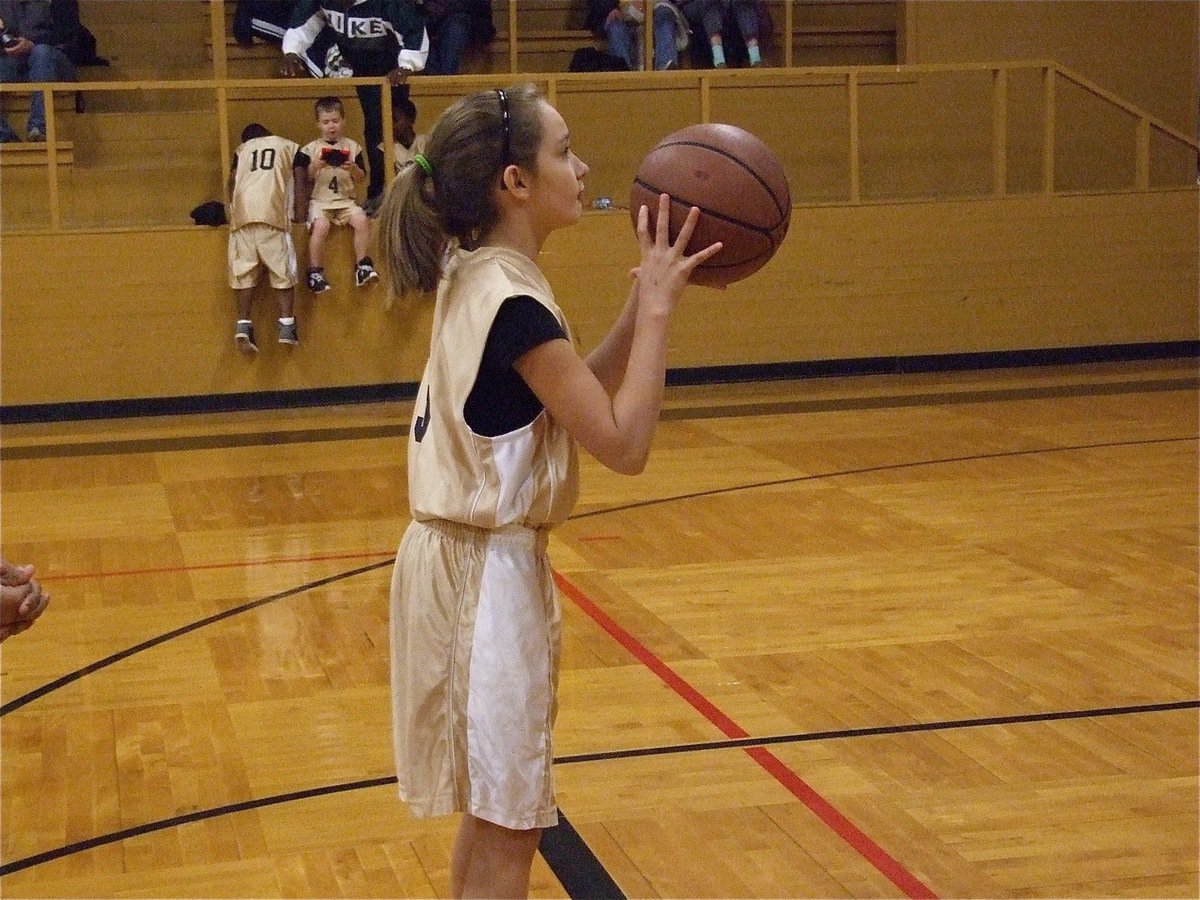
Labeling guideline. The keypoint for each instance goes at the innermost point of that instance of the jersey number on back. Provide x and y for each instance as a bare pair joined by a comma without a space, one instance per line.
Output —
262,159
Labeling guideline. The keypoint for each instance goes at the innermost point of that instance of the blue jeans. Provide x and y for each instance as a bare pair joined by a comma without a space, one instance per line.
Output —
447,42
625,39
44,63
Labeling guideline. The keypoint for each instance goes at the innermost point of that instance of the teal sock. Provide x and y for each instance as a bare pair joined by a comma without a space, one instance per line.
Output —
755,56
718,53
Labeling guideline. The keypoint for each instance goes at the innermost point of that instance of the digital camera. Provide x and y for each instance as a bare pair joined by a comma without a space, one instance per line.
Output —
334,156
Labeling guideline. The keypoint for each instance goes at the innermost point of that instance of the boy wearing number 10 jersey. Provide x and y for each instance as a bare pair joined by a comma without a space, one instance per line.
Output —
261,204
328,171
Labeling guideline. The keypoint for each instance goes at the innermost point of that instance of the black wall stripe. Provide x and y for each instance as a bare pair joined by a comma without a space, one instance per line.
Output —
404,391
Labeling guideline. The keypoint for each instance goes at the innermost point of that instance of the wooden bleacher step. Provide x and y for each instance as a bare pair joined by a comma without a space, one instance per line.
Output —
36,153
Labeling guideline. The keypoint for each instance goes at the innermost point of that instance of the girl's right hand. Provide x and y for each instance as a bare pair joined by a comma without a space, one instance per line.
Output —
665,268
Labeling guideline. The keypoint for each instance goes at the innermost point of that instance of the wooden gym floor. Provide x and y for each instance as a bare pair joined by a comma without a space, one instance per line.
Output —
927,635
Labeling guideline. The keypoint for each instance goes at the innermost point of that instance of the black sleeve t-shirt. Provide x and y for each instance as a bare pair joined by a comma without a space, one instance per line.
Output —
501,401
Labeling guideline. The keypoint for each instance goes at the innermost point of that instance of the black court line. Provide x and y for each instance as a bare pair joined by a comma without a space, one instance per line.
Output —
672,414
572,861
872,731
870,470
576,867
179,632
639,504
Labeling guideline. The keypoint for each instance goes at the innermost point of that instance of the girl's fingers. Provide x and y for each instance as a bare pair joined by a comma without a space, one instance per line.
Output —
643,225
685,237
707,253
689,225
663,236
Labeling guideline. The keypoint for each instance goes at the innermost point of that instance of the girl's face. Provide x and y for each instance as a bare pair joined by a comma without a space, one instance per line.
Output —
557,186
329,124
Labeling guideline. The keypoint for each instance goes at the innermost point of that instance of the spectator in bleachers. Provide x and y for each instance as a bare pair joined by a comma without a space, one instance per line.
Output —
619,22
375,37
407,142
453,26
268,20
37,42
261,210
711,17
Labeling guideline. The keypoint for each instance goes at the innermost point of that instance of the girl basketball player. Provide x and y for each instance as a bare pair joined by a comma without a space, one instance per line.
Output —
502,404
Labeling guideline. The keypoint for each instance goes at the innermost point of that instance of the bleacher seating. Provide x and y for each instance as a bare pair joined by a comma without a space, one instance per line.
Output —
36,153
177,130
824,32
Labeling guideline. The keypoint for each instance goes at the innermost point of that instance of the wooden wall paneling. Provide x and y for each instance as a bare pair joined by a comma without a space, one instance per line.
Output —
849,282
1111,43
642,119
807,127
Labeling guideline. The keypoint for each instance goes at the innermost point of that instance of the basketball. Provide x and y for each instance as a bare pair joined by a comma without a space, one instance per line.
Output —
739,186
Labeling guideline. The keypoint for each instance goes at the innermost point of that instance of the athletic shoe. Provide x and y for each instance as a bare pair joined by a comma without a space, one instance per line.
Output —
244,337
288,334
317,283
371,205
364,274
36,134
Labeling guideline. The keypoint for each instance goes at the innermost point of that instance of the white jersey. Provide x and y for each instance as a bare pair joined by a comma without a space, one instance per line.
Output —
262,185
404,155
528,477
333,186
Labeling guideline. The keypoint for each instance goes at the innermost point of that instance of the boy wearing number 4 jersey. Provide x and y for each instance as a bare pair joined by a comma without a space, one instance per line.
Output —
327,174
261,204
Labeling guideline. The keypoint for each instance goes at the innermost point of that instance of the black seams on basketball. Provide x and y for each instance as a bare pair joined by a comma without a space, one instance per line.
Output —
739,186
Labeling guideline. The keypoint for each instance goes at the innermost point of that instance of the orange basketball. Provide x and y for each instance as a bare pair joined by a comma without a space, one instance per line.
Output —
739,186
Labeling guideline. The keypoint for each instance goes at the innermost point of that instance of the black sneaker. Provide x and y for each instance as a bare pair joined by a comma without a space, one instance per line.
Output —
244,337
364,274
288,334
316,281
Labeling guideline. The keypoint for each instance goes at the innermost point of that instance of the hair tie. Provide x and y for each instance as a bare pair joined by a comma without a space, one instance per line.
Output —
425,164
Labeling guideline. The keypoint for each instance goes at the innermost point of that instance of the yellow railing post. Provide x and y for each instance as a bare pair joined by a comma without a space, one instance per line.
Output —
852,104
389,139
512,36
1000,131
225,138
1048,122
1142,164
52,157
216,27
788,25
648,36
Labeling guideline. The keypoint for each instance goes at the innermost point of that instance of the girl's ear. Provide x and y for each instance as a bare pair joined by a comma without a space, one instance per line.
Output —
514,180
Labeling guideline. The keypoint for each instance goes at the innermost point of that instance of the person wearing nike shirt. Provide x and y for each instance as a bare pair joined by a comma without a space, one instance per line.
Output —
375,37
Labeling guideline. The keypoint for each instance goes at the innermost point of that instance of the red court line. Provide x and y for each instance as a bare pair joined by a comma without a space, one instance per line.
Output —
799,788
240,564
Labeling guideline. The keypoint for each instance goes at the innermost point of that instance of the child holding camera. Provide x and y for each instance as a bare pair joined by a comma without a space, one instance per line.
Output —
328,171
